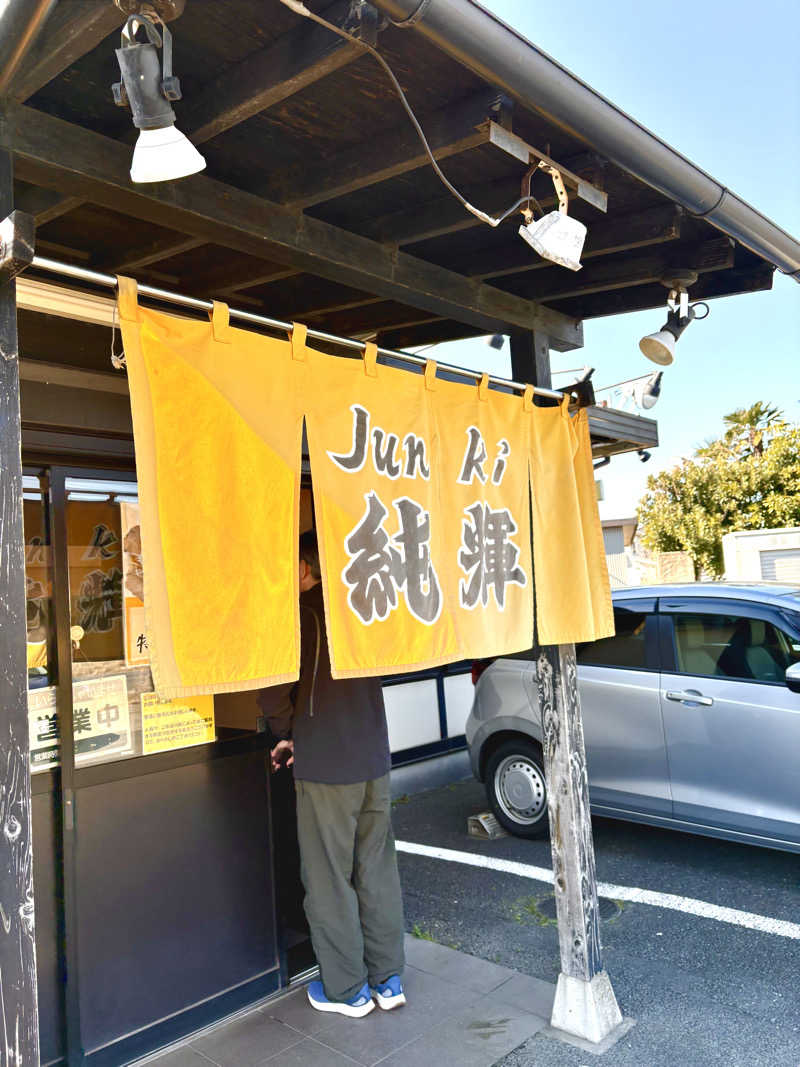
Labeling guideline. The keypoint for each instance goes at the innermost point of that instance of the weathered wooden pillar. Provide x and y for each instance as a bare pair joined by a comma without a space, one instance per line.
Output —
585,1004
19,1026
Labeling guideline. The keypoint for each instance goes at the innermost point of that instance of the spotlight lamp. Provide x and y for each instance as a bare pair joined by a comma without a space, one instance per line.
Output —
647,390
496,341
162,152
555,236
643,455
660,347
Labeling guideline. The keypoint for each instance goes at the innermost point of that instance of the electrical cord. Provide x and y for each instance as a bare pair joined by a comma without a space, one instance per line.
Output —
300,8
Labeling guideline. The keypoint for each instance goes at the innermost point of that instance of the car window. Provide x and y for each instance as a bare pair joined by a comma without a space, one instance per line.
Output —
625,649
732,646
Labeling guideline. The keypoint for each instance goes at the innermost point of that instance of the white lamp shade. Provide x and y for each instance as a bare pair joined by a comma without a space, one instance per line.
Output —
659,347
556,237
164,155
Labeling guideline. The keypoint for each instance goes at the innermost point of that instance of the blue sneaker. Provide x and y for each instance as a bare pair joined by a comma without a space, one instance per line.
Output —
356,1007
389,994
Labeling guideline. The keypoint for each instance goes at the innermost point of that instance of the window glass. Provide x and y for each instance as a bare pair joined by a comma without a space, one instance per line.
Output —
733,646
626,648
115,711
42,720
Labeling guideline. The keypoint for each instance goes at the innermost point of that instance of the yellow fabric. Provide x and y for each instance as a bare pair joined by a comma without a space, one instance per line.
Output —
571,577
422,502
594,546
376,624
485,516
218,437
37,654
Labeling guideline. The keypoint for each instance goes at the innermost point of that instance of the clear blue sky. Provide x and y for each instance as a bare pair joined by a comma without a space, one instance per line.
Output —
719,80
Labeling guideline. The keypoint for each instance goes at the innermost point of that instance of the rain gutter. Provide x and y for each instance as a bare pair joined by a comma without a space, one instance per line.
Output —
477,39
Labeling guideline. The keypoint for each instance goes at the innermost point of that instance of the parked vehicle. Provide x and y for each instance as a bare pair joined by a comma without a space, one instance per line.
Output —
691,717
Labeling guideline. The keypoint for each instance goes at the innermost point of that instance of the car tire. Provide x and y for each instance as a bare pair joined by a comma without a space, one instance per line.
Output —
516,788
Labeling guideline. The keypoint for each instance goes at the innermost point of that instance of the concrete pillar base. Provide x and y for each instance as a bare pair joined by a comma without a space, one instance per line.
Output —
586,1009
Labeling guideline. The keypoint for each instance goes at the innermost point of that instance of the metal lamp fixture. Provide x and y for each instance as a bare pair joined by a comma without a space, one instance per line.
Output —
643,392
555,236
660,346
162,152
646,391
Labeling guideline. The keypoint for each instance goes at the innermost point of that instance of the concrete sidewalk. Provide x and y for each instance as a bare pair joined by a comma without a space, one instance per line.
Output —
460,1009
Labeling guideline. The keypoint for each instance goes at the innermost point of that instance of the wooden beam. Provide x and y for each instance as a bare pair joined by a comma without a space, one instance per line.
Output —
637,230
622,272
444,214
431,333
450,130
225,281
83,163
749,279
46,204
72,31
296,60
371,320
530,358
153,252
513,145
17,947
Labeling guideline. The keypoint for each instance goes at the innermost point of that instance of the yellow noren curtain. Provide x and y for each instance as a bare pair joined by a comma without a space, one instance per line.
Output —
573,598
218,438
422,495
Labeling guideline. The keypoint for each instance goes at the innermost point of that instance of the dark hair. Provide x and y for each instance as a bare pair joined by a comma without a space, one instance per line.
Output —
309,551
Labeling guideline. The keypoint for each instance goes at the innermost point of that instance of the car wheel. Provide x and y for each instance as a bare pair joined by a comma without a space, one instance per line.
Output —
516,788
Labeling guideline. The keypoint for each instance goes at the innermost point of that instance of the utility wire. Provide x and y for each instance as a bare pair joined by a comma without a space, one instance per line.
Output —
300,8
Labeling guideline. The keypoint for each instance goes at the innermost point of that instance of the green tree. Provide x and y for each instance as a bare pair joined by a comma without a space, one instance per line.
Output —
747,430
748,479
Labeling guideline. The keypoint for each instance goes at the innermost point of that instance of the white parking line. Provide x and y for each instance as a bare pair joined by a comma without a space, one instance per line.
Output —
701,908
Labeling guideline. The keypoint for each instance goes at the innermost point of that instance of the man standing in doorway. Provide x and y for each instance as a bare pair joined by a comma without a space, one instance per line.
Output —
334,734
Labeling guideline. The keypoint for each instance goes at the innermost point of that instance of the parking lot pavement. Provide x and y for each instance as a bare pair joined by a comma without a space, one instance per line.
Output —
702,991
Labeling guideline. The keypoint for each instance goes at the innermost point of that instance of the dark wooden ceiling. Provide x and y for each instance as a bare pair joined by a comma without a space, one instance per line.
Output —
317,203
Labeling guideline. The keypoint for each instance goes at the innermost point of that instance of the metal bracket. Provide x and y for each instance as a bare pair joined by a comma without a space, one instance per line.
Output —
414,17
363,22
513,145
166,10
582,392
17,233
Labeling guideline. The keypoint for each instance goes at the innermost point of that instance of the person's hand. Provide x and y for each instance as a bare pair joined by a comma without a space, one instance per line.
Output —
282,755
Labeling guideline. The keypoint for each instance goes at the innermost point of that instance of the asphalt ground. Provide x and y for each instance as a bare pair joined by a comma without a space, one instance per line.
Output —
702,992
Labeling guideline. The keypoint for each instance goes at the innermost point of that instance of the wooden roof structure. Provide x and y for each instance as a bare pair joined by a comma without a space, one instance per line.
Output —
318,203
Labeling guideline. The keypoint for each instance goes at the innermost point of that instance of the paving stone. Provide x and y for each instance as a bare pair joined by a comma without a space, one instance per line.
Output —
309,1053
529,994
295,1011
482,976
476,1036
430,1000
248,1041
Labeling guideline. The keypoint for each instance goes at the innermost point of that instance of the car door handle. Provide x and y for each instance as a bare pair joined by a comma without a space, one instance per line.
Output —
690,696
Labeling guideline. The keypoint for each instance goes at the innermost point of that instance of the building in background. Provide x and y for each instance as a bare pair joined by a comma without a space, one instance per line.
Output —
762,555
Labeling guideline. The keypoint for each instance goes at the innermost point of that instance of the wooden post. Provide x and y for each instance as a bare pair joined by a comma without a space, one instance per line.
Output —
585,1005
19,1023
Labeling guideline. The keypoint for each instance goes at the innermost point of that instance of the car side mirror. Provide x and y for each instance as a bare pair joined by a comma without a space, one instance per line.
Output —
793,677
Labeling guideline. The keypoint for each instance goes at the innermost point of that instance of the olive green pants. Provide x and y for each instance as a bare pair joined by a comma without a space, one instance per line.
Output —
349,869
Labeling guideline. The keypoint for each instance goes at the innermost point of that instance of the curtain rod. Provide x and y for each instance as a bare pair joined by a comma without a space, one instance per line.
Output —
53,266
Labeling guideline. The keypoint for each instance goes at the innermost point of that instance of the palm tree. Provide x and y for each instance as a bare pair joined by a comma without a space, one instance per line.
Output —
747,429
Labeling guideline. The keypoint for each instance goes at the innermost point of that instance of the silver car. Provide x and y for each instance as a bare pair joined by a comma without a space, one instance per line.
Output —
691,717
